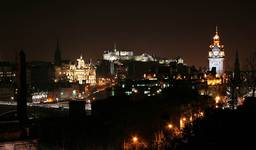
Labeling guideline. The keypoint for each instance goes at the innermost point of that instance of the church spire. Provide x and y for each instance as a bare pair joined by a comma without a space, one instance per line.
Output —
81,55
115,47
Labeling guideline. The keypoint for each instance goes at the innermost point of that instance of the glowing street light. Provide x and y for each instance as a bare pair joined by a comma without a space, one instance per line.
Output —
201,114
170,126
184,118
135,139
217,99
182,122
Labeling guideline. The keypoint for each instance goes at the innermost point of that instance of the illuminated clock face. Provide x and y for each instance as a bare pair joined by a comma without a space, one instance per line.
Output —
215,53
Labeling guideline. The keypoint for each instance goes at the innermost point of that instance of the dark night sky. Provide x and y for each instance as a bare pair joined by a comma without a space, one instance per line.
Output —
164,28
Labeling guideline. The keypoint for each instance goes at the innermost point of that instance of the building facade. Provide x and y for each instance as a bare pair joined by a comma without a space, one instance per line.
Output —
117,55
7,81
216,55
81,72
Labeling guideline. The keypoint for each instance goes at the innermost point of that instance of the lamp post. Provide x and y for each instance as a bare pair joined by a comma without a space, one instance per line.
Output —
135,141
169,126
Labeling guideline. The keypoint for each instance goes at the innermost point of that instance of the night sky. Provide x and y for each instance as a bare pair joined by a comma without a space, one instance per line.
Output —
163,28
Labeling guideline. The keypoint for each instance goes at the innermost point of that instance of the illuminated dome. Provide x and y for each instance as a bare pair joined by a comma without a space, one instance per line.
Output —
216,37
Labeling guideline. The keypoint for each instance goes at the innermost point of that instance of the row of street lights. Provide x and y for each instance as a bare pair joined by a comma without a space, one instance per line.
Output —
174,131
136,143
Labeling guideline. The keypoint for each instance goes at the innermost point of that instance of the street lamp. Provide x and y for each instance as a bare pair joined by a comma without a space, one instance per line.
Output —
217,99
184,118
182,122
170,126
135,141
201,114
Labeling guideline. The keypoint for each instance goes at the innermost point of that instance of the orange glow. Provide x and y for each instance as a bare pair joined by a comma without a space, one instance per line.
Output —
217,99
214,81
49,100
179,77
170,126
191,118
201,114
135,139
184,119
182,122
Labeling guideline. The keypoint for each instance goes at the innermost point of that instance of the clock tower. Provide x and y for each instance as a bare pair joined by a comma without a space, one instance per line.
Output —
216,54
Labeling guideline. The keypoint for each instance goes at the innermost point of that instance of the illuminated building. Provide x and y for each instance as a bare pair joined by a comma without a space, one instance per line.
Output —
39,97
81,72
7,72
126,55
117,55
18,144
7,81
216,54
144,58
125,64
214,80
150,76
177,60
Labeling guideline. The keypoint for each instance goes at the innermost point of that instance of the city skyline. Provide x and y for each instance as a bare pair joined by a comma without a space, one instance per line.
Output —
163,29
130,75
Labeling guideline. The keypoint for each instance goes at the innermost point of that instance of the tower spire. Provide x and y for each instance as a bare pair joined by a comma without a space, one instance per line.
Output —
115,46
81,56
216,38
235,82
